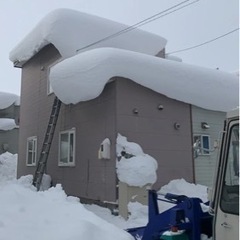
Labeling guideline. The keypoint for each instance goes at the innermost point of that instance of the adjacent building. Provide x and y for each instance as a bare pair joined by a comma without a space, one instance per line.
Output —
9,121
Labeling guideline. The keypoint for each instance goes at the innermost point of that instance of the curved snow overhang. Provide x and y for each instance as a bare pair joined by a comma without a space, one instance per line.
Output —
70,31
7,124
8,99
84,76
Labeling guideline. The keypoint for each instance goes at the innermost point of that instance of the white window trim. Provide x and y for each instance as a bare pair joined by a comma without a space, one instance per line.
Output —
201,152
68,164
34,161
49,88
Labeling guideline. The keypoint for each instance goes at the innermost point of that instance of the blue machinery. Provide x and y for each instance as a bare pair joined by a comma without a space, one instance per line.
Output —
186,215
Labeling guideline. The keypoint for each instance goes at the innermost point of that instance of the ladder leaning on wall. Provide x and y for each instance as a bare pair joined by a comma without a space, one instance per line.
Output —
42,161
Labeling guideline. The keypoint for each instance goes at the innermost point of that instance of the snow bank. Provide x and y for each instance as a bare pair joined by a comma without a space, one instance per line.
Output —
84,76
182,187
70,30
134,168
8,167
26,214
7,99
7,124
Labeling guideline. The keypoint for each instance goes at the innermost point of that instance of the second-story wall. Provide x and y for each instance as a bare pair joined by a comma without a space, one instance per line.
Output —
153,128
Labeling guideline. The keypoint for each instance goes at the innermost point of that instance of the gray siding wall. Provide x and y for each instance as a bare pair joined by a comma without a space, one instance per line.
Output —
154,129
35,104
205,165
101,118
94,120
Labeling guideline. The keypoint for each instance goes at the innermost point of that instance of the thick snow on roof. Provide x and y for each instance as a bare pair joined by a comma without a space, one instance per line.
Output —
84,76
7,99
70,30
7,124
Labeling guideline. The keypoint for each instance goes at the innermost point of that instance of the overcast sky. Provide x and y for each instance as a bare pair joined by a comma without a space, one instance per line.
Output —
198,23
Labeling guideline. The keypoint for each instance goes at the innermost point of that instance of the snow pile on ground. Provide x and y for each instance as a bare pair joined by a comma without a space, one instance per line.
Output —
134,168
7,124
7,99
8,167
84,76
181,187
69,30
26,214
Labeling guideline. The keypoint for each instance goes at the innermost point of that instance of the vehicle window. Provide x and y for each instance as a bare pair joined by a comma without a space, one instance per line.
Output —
230,191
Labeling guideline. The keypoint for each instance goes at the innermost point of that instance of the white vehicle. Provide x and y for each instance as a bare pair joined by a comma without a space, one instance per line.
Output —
186,220
224,204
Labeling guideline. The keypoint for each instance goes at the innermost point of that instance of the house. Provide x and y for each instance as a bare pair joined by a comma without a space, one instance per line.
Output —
9,120
120,85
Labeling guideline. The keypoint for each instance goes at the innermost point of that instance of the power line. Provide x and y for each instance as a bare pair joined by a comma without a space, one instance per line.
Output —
204,43
141,23
153,19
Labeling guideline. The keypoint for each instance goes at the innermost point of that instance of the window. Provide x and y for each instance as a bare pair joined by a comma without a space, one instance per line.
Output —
230,191
67,148
31,151
202,144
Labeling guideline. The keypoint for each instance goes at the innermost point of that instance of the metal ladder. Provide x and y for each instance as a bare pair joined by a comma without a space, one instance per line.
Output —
42,161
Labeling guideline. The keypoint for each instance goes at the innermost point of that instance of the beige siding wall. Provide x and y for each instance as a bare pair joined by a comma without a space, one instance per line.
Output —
100,118
94,120
154,129
35,104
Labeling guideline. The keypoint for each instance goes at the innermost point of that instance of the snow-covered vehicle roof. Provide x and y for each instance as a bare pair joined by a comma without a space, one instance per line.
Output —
70,30
83,77
8,99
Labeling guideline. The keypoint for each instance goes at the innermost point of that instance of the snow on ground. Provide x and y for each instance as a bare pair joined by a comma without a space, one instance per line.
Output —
8,167
134,166
7,99
26,214
74,79
7,124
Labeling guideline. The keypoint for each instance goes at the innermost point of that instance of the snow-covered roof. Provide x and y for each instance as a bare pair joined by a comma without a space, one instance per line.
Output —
84,76
8,99
70,30
7,124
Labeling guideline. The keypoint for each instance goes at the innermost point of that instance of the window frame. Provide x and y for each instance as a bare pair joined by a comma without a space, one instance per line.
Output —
229,190
34,151
202,150
68,163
